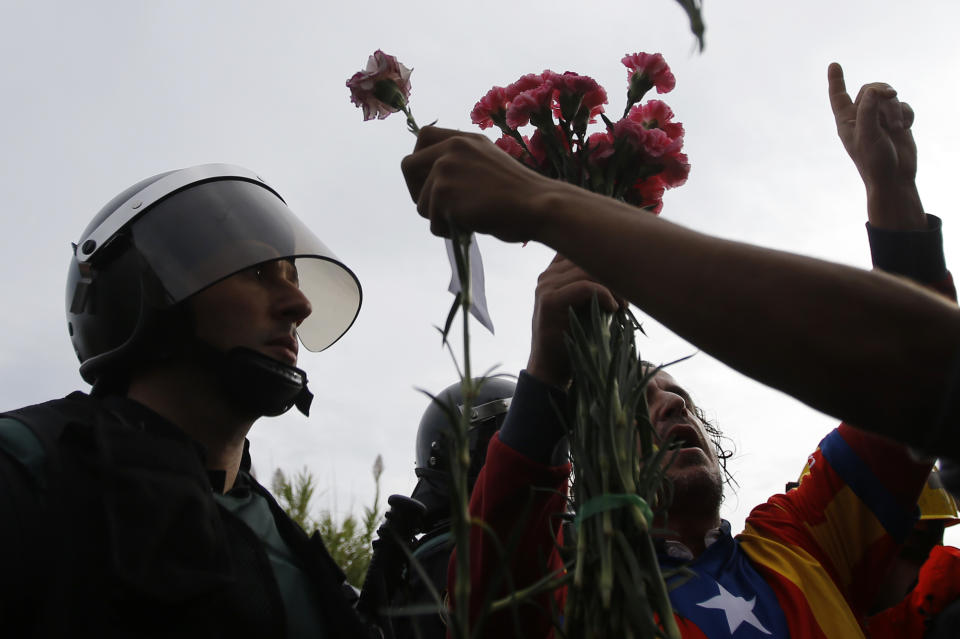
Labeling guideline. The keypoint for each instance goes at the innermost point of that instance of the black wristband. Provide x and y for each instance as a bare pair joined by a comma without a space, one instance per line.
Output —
914,254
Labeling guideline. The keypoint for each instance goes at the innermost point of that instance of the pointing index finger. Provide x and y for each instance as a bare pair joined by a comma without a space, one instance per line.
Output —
839,98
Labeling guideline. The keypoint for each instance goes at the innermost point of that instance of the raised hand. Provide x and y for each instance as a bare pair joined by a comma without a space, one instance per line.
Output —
875,131
562,286
462,182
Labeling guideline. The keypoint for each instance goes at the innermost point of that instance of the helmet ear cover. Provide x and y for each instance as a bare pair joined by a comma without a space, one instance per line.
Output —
120,316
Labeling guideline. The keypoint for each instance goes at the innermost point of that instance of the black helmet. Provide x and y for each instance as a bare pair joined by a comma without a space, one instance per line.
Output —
169,237
433,450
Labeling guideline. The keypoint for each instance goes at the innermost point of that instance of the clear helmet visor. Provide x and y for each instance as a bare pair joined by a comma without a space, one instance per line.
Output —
211,230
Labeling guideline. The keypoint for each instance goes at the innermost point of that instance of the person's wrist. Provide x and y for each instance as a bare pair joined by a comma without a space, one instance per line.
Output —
895,207
546,373
548,208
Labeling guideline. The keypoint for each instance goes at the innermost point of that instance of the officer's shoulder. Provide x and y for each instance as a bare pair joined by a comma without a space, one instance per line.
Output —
23,431
56,412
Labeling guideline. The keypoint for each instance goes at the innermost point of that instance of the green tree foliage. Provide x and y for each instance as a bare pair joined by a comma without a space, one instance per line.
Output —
348,540
295,495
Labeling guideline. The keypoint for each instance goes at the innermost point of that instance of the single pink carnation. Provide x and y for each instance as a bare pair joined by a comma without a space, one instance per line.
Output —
601,148
649,70
538,152
512,147
490,108
649,143
676,169
575,91
631,132
571,83
381,87
647,193
530,102
659,144
655,114
525,83
594,100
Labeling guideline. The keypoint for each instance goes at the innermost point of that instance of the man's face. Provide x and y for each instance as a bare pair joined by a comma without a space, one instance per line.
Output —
259,308
694,469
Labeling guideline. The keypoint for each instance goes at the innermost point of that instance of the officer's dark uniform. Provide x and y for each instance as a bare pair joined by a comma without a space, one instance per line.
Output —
113,527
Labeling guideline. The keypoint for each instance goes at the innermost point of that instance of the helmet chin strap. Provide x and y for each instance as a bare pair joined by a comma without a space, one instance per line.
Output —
257,382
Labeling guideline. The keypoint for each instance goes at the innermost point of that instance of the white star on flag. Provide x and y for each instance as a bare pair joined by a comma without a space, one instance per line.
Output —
737,609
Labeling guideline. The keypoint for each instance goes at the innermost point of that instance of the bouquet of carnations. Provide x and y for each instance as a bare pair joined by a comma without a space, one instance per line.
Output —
617,589
634,159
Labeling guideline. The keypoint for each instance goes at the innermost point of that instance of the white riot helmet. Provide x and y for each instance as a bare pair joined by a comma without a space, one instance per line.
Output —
169,237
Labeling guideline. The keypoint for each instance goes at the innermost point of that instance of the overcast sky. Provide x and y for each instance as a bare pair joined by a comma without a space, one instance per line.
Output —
98,95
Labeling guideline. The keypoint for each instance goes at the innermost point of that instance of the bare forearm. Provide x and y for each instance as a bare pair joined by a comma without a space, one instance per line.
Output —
862,346
842,340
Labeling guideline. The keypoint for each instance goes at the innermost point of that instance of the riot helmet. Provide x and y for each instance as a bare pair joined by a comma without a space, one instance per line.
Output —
171,236
433,446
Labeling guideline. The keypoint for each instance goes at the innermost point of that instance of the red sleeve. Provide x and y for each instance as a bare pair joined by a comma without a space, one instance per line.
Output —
938,585
520,501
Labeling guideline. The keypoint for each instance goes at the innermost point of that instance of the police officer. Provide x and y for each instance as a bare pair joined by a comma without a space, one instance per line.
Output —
131,511
433,548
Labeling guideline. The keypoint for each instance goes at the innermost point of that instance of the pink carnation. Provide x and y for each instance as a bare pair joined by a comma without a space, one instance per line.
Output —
594,100
525,83
650,143
649,70
631,132
529,103
601,148
584,93
378,88
647,193
676,168
659,144
490,108
570,83
538,152
512,147
655,114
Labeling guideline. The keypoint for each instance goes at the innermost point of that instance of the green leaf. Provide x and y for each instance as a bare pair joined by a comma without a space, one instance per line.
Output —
451,315
694,9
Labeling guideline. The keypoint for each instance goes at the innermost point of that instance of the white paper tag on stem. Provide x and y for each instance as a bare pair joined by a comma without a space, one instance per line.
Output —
479,306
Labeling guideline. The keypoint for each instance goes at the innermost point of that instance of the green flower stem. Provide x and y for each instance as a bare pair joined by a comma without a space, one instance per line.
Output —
461,515
411,123
547,584
657,589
